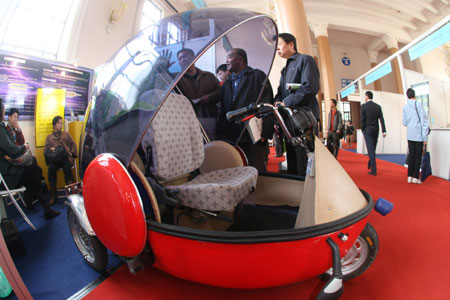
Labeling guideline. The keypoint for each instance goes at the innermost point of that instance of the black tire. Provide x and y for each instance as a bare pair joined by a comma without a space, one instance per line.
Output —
92,250
360,256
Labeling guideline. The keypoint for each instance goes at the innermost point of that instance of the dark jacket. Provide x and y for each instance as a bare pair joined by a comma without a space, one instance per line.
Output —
370,113
12,174
337,121
16,134
203,85
64,139
248,91
300,68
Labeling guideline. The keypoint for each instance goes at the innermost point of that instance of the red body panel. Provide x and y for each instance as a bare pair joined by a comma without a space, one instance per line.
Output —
114,206
248,266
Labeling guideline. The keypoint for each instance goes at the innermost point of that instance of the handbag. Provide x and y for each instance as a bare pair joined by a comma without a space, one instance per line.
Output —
426,166
26,159
55,157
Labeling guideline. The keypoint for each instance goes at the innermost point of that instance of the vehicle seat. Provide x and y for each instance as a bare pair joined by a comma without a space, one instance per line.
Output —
177,149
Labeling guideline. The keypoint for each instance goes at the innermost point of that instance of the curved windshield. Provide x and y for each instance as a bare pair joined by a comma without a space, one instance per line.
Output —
133,84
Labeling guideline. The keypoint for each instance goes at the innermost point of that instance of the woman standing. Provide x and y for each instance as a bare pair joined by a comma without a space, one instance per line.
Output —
416,121
16,176
59,138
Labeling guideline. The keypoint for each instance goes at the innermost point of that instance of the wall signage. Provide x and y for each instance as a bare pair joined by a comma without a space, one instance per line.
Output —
378,73
346,61
21,77
348,91
434,40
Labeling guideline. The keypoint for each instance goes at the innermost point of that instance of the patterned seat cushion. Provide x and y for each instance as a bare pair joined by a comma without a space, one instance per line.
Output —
219,190
176,142
175,139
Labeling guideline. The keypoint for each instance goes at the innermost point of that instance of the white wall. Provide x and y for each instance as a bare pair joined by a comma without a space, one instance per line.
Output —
395,141
94,45
436,63
439,91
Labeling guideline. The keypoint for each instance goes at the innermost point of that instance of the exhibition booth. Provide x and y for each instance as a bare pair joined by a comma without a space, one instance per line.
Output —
432,93
128,120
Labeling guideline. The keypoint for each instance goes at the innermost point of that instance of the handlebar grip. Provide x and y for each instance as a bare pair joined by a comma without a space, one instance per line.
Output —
237,113
241,111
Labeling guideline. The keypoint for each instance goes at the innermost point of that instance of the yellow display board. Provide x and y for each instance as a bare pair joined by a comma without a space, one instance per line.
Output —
49,103
75,131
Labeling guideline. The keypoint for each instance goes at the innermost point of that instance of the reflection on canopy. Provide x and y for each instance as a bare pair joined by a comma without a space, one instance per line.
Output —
132,85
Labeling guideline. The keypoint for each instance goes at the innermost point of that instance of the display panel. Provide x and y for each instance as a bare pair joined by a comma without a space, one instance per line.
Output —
21,77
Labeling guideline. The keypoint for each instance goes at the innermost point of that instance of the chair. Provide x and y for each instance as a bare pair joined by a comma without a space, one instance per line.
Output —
10,193
177,150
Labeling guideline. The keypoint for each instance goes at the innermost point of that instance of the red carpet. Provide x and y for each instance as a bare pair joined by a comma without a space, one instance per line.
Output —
411,264
274,162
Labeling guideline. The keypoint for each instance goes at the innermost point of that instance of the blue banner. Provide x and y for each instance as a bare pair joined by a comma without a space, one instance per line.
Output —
378,73
199,3
348,91
434,40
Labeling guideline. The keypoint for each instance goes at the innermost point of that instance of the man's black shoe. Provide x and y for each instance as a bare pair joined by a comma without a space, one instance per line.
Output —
372,173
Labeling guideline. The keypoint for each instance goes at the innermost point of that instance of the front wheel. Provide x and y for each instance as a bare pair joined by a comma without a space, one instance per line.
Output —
90,247
360,256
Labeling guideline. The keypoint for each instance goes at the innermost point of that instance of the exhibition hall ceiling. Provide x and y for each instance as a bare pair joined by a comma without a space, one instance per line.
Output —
367,20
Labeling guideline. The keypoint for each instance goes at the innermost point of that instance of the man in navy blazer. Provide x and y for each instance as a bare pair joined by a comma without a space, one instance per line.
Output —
370,114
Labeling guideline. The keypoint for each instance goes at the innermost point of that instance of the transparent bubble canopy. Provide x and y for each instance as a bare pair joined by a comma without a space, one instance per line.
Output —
132,85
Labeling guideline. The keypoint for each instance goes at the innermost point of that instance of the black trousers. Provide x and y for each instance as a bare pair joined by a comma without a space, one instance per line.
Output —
31,179
67,168
277,142
414,158
257,154
333,143
297,160
371,143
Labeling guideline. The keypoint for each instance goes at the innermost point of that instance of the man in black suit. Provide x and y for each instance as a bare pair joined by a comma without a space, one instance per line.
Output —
240,89
370,114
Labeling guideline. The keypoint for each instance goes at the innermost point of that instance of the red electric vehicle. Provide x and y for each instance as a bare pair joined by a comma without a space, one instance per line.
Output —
156,190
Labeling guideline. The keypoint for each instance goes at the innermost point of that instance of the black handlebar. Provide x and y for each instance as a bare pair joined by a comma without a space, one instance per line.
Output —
242,111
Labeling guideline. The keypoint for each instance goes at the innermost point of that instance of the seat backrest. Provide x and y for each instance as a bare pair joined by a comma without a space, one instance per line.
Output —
175,139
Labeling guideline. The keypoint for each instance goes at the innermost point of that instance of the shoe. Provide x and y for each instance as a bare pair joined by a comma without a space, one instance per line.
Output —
372,173
416,181
50,213
409,179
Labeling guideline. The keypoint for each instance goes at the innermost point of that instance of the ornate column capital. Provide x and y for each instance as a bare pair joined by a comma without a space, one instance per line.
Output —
319,29
391,41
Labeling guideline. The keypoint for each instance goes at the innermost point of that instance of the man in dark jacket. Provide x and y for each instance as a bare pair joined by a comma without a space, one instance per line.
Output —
239,90
202,89
335,127
370,114
300,69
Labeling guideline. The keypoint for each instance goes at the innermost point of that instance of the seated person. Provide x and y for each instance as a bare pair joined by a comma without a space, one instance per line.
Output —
17,135
16,176
59,138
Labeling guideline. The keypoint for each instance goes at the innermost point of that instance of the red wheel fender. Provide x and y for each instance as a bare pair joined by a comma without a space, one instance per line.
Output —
114,206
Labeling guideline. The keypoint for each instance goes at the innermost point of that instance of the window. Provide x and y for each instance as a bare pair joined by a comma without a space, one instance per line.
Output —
346,111
35,27
150,14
